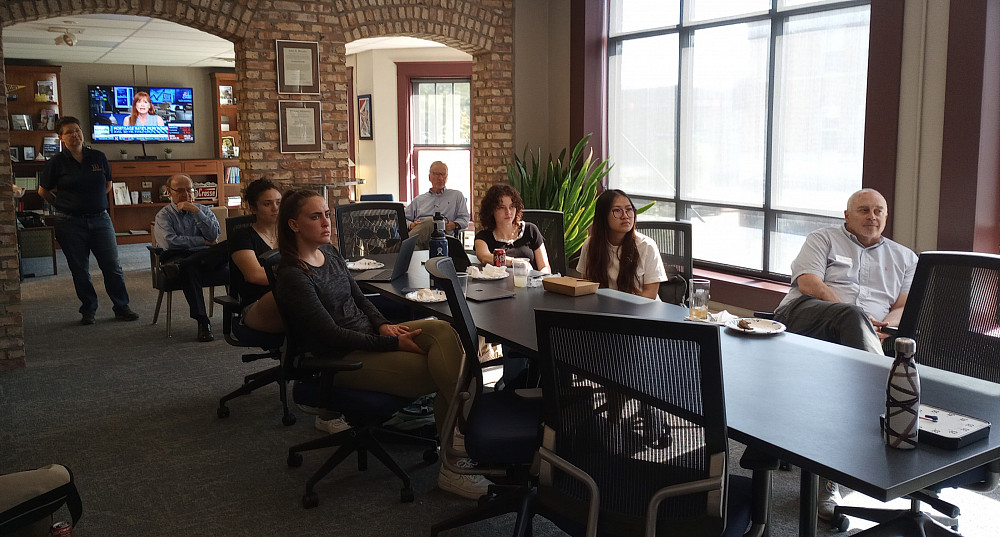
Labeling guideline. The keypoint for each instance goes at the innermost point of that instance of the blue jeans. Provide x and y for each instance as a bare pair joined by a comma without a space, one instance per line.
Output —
78,236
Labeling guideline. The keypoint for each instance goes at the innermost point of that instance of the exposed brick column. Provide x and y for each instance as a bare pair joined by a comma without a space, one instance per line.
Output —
11,322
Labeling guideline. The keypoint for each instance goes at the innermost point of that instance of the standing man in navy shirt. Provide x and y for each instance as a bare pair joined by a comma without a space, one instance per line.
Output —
76,182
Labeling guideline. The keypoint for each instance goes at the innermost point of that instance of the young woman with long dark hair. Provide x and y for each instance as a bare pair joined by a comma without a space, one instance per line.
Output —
259,309
328,315
615,254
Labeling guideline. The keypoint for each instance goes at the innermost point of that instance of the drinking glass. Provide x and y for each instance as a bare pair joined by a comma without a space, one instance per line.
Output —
463,283
520,269
698,303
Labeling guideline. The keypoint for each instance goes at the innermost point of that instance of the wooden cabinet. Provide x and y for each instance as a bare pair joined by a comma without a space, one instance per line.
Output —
39,82
149,179
227,126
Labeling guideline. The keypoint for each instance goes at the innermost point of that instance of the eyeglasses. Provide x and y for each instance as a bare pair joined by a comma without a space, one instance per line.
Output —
627,212
179,190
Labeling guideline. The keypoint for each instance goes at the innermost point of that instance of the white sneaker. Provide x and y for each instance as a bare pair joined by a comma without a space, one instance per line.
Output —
335,425
828,498
466,486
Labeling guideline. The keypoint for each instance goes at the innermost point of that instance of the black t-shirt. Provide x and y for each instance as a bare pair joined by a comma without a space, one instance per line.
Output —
82,187
524,246
247,239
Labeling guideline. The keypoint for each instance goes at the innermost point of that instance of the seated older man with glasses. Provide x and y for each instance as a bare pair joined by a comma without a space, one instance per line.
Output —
188,233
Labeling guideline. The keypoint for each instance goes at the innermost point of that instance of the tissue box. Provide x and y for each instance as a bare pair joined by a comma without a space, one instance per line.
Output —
565,285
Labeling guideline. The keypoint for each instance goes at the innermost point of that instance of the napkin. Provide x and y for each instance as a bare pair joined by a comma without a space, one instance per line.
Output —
429,294
488,271
722,317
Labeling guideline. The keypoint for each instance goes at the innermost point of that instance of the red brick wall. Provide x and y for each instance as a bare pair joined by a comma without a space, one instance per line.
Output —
482,28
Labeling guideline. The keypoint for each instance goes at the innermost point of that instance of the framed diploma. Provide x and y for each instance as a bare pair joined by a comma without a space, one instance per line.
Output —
298,66
300,127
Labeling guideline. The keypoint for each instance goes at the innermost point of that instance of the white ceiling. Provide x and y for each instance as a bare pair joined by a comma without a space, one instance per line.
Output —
126,39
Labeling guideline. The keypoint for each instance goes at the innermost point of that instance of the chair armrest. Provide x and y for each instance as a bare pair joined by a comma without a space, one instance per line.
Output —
682,489
594,505
529,394
228,303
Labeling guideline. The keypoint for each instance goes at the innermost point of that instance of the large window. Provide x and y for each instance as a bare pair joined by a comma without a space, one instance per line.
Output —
441,129
745,117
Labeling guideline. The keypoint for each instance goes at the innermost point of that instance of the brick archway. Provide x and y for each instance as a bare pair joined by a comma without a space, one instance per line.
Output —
482,28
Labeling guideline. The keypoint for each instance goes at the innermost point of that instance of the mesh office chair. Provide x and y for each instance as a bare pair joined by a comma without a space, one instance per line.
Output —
952,313
364,410
674,241
376,197
601,473
238,334
550,223
501,427
370,227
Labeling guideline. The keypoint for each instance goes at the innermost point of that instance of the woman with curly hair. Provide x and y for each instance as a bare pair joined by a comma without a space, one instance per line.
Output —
615,254
500,214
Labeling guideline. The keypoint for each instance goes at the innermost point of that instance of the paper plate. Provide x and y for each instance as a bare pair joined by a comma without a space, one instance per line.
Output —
756,326
483,277
367,265
438,296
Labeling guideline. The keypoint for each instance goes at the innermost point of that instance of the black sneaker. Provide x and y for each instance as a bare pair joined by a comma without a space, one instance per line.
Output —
88,318
126,315
205,332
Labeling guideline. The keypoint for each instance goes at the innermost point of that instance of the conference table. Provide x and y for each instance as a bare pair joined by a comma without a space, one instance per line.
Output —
811,403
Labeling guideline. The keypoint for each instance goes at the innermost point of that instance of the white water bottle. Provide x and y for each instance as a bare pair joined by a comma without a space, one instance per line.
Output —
902,398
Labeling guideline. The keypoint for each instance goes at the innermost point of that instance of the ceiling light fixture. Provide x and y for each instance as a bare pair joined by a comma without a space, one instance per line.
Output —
66,36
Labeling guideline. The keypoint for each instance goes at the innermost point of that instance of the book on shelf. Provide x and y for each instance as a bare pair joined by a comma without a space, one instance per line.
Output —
232,175
224,123
138,232
233,201
120,191
51,146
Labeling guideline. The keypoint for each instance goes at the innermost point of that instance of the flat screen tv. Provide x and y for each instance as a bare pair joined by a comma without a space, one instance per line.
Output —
170,116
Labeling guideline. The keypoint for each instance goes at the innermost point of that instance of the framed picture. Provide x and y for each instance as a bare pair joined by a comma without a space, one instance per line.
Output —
228,146
28,153
20,122
298,66
365,117
226,96
299,126
15,153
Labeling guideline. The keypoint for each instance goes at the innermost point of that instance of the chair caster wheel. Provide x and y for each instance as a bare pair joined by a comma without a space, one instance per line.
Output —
286,420
310,500
294,460
430,456
406,495
840,522
222,412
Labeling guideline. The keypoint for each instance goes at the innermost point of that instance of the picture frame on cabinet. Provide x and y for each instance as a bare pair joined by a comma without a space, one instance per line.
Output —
15,153
28,153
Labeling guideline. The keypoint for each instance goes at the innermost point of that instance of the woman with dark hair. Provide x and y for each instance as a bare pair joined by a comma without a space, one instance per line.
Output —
500,214
615,254
329,316
142,105
259,310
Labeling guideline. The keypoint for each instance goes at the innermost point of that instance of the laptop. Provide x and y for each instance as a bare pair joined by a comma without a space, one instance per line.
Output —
399,268
457,254
482,293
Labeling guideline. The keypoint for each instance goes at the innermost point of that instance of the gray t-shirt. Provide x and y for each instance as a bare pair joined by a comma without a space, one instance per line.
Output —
872,277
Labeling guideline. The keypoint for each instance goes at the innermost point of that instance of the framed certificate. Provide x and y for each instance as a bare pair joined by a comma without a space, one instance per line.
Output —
299,127
298,66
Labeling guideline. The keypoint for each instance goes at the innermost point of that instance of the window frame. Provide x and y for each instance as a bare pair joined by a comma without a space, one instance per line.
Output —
776,17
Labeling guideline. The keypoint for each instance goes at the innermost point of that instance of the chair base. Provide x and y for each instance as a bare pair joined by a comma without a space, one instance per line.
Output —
257,380
899,522
500,500
361,440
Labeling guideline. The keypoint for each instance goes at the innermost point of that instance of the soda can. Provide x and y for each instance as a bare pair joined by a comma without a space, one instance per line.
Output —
499,257
61,529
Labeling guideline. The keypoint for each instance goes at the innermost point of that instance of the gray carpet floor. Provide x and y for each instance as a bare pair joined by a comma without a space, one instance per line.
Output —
132,413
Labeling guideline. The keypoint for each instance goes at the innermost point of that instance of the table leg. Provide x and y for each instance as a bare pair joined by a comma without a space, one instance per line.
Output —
808,492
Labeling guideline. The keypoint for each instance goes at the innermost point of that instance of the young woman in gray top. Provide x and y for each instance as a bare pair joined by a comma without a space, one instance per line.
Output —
326,312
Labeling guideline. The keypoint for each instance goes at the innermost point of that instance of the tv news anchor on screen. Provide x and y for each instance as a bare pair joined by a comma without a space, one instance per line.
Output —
140,116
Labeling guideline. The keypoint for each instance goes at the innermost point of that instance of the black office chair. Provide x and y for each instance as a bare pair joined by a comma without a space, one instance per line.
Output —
370,227
674,241
167,285
238,334
376,197
29,498
952,314
501,427
364,410
550,223
601,473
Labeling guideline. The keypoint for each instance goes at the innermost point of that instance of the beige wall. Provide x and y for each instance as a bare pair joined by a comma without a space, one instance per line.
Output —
541,75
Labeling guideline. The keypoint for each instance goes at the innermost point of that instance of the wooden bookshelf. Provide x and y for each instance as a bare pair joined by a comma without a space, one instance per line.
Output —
21,101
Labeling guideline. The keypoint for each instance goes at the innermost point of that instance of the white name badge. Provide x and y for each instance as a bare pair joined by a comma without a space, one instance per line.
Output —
844,260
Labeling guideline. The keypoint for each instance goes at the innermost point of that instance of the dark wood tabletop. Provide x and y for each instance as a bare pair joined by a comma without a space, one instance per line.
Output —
812,403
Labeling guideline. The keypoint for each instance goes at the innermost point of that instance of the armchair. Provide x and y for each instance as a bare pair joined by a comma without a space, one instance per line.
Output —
239,335
952,313
600,472
364,410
